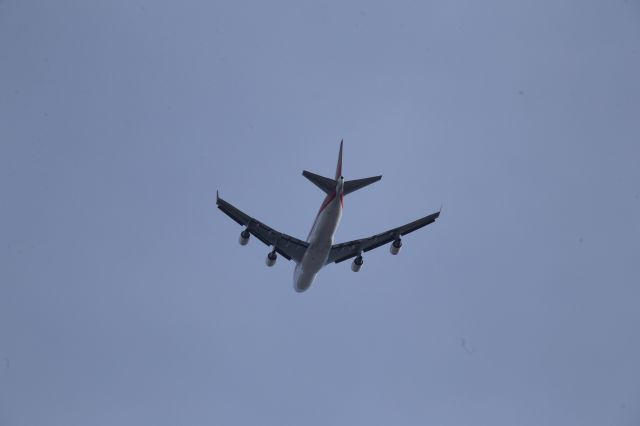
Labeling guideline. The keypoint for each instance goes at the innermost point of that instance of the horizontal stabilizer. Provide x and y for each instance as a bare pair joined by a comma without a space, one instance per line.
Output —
324,183
354,185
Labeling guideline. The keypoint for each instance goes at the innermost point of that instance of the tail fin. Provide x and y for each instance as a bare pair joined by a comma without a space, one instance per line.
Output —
353,185
339,166
324,183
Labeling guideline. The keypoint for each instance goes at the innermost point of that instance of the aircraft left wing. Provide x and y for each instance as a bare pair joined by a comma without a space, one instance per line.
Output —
286,245
344,251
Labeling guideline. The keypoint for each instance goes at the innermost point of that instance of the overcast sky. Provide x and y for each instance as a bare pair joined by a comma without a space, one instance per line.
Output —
125,298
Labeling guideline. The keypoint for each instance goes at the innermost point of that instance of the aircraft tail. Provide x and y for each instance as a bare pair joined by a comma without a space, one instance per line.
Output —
339,166
329,185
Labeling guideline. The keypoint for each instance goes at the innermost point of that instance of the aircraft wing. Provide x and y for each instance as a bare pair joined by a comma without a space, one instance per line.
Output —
288,246
344,251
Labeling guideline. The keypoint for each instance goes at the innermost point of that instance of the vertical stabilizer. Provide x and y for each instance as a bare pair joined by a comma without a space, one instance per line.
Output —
339,166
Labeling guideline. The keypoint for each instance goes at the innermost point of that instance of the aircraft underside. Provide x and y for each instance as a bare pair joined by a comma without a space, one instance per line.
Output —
312,255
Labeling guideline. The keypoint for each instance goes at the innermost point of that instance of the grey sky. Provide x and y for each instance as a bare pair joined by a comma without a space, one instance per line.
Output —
125,298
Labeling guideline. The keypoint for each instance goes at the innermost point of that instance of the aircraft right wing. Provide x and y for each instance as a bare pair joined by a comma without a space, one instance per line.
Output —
344,251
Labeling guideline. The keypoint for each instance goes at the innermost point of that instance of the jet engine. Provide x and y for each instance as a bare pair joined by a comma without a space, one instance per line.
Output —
394,248
244,238
357,264
271,258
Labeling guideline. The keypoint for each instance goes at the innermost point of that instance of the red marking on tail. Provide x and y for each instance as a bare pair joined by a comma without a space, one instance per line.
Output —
339,167
328,199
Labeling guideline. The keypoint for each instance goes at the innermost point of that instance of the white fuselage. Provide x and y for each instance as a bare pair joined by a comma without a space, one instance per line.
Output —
320,239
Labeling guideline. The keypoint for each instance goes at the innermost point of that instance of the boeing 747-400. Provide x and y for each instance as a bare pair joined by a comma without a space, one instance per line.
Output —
318,250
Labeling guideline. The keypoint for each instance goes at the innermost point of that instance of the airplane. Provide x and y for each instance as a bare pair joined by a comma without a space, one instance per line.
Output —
318,250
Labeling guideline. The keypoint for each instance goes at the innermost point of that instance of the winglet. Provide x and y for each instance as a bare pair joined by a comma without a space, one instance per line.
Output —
339,166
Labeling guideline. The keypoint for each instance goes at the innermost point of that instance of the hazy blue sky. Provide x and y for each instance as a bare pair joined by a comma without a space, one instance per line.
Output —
126,300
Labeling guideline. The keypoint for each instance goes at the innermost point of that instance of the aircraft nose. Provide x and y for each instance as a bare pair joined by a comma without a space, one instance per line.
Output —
301,281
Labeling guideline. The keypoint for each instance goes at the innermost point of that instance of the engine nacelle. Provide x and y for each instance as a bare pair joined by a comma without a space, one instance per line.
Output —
244,238
271,258
357,264
394,248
